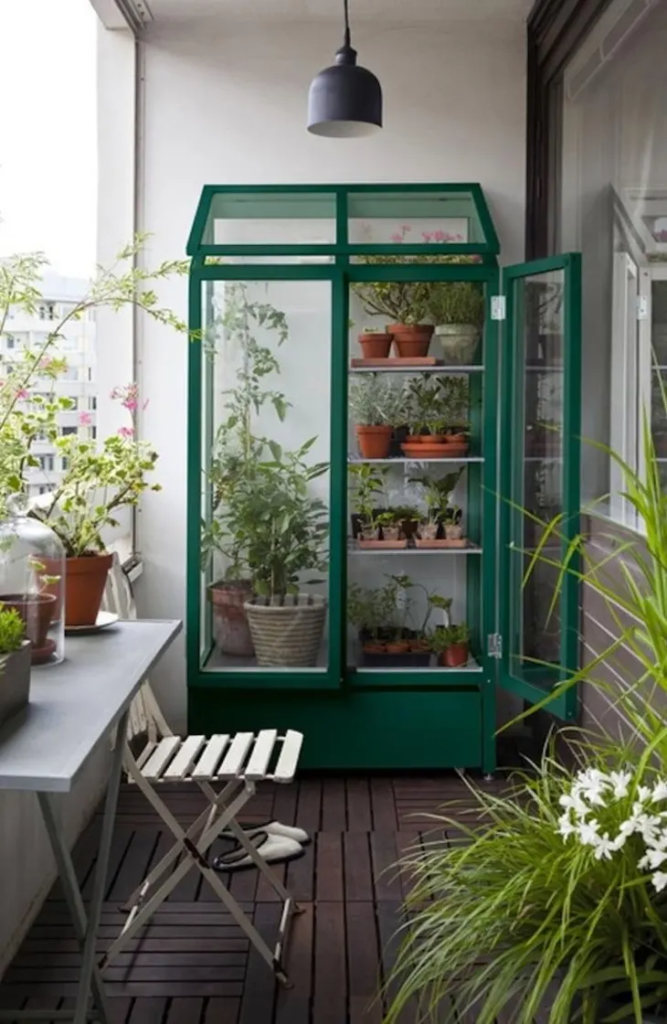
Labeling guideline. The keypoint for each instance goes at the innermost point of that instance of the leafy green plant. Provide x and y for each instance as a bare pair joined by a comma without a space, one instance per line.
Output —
369,491
278,525
456,302
12,630
547,906
28,406
375,402
424,405
443,637
455,400
438,492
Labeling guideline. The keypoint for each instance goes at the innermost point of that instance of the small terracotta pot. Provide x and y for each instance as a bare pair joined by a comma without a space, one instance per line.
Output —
36,611
415,438
419,645
454,656
232,631
459,438
398,647
375,346
436,439
374,648
85,581
411,341
374,442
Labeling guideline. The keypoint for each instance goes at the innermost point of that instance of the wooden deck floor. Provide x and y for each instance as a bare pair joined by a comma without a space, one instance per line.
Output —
192,965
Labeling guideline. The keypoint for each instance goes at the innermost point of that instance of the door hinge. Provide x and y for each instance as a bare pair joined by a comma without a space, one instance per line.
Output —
642,307
494,645
498,307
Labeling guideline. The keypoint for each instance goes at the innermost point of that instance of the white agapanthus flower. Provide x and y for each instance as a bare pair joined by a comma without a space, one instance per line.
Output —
592,791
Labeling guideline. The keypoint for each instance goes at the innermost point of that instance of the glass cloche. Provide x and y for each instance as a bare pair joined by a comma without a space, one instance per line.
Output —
32,580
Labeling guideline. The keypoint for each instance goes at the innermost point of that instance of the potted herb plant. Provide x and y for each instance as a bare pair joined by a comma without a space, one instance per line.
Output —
375,408
457,310
285,530
378,527
451,644
14,663
403,303
98,481
453,528
438,493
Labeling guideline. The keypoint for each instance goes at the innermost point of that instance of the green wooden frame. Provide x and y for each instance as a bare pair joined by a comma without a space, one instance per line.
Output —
564,706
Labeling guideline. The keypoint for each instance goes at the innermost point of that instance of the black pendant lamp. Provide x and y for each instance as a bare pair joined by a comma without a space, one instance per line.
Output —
345,100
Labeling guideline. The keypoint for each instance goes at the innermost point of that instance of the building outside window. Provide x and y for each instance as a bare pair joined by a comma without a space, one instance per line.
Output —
607,198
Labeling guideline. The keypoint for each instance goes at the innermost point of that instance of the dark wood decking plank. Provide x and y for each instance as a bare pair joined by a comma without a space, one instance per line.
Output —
359,816
329,866
135,865
148,1010
185,1011
293,1004
409,846
285,799
334,817
119,846
309,805
259,992
358,871
382,805
390,918
363,962
330,982
222,1011
384,854
300,876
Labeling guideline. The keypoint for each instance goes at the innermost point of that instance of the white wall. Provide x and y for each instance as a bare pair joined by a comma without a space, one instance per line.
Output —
230,106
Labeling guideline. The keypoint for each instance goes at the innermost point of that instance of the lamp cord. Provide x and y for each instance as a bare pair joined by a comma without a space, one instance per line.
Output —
347,22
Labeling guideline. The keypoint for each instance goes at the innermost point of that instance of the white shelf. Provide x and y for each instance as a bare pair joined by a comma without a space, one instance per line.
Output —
380,553
404,462
448,370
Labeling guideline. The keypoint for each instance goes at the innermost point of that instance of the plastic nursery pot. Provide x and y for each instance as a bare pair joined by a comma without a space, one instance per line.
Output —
86,578
428,531
36,610
411,341
231,629
459,343
391,533
454,655
375,346
453,532
374,442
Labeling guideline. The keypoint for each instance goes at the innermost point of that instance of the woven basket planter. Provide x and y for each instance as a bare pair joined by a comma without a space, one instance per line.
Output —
287,632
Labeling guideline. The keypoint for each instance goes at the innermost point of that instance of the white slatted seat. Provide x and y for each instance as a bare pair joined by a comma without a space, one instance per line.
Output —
235,763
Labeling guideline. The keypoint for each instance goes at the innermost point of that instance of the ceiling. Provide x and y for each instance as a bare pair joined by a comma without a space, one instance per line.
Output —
414,12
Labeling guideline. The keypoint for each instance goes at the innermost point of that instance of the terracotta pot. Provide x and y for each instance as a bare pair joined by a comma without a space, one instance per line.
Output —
454,656
374,442
85,581
36,611
455,438
411,341
436,439
415,438
374,648
398,647
375,346
231,629
419,645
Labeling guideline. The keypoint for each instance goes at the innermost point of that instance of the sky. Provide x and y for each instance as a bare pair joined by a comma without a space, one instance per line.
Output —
48,160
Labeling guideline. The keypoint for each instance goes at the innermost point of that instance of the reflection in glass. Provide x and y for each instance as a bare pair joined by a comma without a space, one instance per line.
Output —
538,486
265,528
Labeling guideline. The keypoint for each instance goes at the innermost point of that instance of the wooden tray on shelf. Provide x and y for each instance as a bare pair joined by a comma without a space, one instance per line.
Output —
403,362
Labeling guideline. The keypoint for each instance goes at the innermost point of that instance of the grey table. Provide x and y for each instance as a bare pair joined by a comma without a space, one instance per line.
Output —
73,708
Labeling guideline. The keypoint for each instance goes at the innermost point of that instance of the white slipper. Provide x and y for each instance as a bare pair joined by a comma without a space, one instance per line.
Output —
272,848
274,828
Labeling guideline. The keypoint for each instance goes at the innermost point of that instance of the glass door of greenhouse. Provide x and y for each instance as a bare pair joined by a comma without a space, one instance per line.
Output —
269,604
540,471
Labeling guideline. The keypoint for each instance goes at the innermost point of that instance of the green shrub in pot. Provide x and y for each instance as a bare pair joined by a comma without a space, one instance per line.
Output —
14,663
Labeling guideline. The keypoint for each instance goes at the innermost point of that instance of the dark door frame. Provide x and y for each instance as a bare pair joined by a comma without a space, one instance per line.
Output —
556,28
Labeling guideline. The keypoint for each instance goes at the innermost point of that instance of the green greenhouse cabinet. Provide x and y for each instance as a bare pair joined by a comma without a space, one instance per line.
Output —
379,419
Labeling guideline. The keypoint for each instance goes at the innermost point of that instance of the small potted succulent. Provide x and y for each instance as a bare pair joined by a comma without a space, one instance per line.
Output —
457,309
374,407
14,663
451,644
375,343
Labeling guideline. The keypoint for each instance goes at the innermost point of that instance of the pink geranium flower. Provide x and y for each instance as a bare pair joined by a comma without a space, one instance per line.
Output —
22,393
126,432
85,419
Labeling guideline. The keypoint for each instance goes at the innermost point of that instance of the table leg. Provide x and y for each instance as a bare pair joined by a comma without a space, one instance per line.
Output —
87,926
